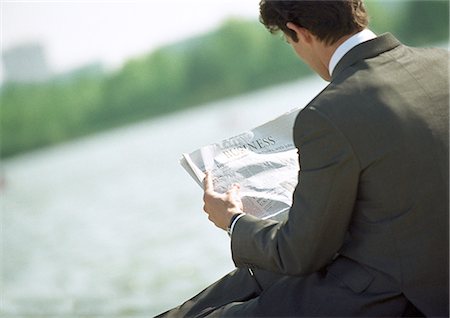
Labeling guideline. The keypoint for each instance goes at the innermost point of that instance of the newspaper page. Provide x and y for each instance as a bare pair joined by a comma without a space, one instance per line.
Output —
264,161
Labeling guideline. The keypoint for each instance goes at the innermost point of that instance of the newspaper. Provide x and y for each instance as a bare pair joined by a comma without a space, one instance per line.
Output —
264,161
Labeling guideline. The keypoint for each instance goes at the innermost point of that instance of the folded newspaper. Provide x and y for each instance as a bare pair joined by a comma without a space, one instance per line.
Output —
264,161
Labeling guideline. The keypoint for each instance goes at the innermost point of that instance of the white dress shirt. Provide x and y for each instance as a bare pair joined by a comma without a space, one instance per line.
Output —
350,43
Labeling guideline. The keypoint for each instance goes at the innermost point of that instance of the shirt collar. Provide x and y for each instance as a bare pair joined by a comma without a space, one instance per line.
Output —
350,43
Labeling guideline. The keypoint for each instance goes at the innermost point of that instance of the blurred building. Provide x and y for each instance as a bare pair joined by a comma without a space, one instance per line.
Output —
25,63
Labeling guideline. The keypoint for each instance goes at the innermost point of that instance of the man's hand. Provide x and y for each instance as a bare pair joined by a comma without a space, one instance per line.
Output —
220,207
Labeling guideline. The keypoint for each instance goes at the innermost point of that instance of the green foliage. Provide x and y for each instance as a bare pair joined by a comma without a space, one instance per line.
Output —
425,22
36,115
414,22
384,15
238,57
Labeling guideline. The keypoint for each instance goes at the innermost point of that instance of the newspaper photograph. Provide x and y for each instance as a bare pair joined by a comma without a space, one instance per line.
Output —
264,161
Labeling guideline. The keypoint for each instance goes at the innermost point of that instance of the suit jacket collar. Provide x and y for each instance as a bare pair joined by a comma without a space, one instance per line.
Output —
365,50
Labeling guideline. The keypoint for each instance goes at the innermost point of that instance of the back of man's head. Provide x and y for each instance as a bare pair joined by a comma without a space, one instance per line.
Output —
328,20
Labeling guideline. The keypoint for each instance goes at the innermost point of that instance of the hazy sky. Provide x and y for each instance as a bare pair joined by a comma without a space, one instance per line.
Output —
77,32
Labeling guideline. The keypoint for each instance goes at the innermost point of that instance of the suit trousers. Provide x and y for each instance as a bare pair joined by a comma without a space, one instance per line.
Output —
333,292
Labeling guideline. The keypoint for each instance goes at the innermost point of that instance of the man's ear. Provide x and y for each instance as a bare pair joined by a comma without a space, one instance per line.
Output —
302,34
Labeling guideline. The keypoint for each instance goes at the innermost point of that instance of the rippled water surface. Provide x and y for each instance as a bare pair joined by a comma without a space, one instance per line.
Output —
111,224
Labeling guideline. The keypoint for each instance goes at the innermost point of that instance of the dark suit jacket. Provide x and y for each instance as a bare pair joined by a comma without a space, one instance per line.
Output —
373,183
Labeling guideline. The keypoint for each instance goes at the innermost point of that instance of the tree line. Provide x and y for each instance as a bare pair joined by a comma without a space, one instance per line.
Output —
238,57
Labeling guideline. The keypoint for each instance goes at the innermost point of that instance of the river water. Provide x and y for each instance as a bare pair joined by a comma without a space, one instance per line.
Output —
111,225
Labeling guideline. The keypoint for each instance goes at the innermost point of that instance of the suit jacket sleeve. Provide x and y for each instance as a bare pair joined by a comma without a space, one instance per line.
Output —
321,210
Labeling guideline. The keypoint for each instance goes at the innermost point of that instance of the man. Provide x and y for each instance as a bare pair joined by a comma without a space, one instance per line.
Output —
367,233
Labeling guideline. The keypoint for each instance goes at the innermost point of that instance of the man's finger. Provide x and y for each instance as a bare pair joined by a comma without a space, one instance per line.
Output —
235,192
208,183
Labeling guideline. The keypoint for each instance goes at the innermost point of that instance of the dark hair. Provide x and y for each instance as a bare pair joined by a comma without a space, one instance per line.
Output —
328,20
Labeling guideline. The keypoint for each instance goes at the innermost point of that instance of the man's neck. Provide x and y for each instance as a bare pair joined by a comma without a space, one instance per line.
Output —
327,52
